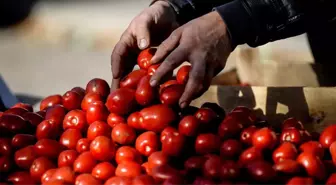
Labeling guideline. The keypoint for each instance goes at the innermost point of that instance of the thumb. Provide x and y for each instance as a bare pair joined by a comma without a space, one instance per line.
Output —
143,36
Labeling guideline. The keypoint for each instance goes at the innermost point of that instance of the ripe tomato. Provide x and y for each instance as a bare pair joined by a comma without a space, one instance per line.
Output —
25,157
72,100
16,111
261,171
96,112
132,79
123,134
291,135
212,167
83,145
332,150
33,118
145,57
121,101
292,123
75,119
48,129
127,153
285,151
157,117
164,172
157,159
152,69
20,177
203,181
39,167
287,166
51,101
98,86
249,155
114,119
264,138
145,93
332,179
167,84
103,171
86,179
328,136
229,170
246,135
48,148
147,143
65,174
182,74
102,148
84,163
145,167
207,143
12,124
67,158
56,113
42,113
245,115
118,181
300,180
220,112
143,180
79,90
231,148
313,147
171,94
90,98
22,140
173,143
229,128
194,163
6,164
70,137
313,165
189,126
128,169
47,175
98,128
134,120
26,106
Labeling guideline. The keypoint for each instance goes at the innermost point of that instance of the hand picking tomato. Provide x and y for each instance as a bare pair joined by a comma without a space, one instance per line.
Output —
145,93
182,74
145,57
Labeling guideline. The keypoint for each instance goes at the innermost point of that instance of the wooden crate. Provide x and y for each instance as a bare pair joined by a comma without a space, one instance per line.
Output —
315,107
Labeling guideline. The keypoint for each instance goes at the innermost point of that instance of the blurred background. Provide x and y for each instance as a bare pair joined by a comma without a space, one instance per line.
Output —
48,47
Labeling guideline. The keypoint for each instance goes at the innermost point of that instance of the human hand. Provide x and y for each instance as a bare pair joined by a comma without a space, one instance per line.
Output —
205,43
160,19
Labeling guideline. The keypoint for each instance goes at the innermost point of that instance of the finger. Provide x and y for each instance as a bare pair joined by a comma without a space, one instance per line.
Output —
209,74
141,31
166,47
195,82
115,84
174,59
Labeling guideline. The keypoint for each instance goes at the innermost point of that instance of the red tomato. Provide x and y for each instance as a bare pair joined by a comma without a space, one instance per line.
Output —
249,155
189,126
51,101
72,100
48,129
313,147
123,134
132,79
145,167
305,136
33,118
285,151
103,171
16,111
205,115
332,150
292,123
182,74
79,90
152,69
121,101
173,143
67,158
203,181
6,164
84,163
212,167
65,174
22,140
75,119
42,113
332,179
231,148
25,157
48,148
261,171
147,143
128,169
171,94
90,98
229,170
70,137
127,153
56,113
86,179
145,57
114,119
102,148
83,145
287,166
157,117
313,165
157,159
6,148
134,120
245,116
220,112
264,138
96,112
300,180
229,128
194,163
47,175
291,135
246,135
164,172
328,136
39,167
98,86
24,106
21,177
13,124
143,180
145,93
167,84
98,128
118,181
207,143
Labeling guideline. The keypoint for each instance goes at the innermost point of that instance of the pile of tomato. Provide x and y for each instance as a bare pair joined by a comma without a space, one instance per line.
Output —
137,135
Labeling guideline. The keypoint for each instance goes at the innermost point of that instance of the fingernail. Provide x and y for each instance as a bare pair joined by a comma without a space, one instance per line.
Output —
183,105
152,83
143,43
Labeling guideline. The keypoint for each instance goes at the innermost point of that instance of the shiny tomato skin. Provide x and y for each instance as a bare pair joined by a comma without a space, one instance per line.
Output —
21,177
26,106
128,169
83,145
300,180
6,147
205,115
65,174
230,149
249,155
75,119
79,90
47,175
229,170
146,168
286,150
25,157
98,128
207,143
13,124
56,113
96,112
244,116
145,57
147,143
261,171
173,143
171,94
127,153
39,167
157,117
67,158
102,148
194,163
143,180
72,100
152,69
332,150
189,126
84,163
42,113
48,148
164,172
70,137
123,134
182,74
16,111
22,140
121,101
50,101
167,84
229,128
103,171
114,119
332,179
157,159
313,165
118,181
292,123
328,136
287,166
145,93
6,164
291,135
86,179
135,120
312,147
132,80
90,98
246,135
264,138
33,118
212,167
48,129
98,86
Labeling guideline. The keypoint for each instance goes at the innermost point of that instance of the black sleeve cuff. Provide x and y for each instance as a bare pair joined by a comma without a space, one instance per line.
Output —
238,21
